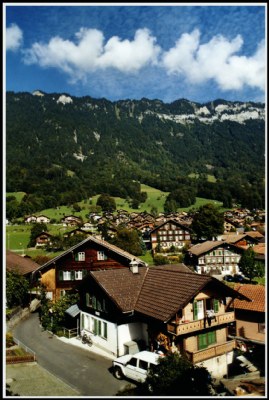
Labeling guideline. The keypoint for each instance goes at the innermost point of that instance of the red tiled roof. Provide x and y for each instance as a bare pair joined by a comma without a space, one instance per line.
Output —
255,292
17,263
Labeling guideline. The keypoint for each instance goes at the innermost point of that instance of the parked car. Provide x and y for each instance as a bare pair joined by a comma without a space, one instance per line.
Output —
135,366
228,278
239,278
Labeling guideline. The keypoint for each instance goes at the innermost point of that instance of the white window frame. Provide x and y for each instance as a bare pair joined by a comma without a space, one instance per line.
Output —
78,275
101,255
81,256
66,275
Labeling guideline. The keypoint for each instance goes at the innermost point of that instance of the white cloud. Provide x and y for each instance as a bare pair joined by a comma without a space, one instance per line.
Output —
91,53
14,37
216,60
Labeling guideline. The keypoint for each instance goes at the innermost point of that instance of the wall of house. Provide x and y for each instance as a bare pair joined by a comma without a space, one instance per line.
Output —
191,342
48,279
109,344
218,366
129,332
247,325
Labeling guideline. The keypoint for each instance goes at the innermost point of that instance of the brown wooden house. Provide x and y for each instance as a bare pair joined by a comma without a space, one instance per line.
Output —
65,271
184,311
169,233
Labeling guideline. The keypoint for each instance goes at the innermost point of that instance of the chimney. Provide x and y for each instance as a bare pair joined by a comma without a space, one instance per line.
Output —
134,266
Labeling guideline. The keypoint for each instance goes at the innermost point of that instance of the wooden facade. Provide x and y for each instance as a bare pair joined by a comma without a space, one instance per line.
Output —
169,234
66,271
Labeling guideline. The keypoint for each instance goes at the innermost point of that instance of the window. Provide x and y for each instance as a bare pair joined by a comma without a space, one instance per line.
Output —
133,362
66,275
143,364
206,339
261,327
88,300
99,328
198,309
80,256
78,275
101,255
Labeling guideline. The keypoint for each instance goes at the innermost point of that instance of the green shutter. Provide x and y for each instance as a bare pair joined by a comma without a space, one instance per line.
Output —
216,305
72,275
211,337
202,341
95,326
105,330
61,275
195,310
94,302
84,272
76,257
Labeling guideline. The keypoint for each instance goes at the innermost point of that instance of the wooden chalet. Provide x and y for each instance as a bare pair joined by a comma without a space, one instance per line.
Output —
65,271
169,233
215,257
131,309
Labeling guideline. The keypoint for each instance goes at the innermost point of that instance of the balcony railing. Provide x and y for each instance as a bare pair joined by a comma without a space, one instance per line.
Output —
210,352
182,328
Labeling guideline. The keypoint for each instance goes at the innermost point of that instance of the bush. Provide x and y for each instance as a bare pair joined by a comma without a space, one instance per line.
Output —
9,340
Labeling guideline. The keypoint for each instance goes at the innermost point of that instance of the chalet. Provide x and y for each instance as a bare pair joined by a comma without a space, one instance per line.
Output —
42,219
215,257
71,220
132,308
250,316
30,219
65,271
168,234
43,239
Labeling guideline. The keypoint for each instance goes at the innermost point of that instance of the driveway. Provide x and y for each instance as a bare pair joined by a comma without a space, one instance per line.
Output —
82,369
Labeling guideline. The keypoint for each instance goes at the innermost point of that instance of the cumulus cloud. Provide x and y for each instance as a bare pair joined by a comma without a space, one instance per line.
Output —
91,53
14,37
216,60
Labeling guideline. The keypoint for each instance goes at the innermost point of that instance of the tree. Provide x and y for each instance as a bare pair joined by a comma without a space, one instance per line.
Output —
128,240
208,222
249,266
175,375
17,288
36,230
106,202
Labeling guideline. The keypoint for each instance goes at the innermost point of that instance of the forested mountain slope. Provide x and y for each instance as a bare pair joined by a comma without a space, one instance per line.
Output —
63,148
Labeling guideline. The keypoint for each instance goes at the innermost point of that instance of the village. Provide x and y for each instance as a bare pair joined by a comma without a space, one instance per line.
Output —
201,305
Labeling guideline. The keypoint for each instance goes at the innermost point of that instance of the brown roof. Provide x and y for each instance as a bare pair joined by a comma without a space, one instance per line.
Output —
165,291
259,248
255,292
204,247
17,263
159,291
121,285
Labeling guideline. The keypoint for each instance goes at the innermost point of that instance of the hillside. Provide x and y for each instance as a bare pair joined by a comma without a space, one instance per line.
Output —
61,148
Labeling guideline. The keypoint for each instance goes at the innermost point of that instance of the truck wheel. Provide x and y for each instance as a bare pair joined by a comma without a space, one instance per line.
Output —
118,373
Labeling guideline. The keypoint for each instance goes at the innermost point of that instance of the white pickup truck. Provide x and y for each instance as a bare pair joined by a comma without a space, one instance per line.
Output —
135,366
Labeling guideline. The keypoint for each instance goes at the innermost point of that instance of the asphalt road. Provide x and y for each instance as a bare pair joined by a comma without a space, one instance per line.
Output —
85,371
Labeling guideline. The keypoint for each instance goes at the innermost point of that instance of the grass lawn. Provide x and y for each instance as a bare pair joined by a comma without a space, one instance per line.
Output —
18,195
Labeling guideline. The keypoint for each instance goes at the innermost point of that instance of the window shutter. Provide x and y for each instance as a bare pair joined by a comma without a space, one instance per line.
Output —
216,305
195,310
76,257
202,341
105,330
211,337
94,302
84,272
72,277
95,326
60,275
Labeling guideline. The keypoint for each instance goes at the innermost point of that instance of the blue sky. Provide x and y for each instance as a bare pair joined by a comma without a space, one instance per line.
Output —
167,52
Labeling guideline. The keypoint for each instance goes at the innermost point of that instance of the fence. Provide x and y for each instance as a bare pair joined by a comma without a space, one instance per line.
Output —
12,358
70,333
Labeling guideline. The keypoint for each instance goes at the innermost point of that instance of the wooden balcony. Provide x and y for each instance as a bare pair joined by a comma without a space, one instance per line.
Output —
182,328
210,352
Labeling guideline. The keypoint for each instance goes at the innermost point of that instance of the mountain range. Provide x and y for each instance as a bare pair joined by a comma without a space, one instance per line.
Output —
57,144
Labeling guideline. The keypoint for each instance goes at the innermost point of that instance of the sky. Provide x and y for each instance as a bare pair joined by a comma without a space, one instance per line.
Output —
165,51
